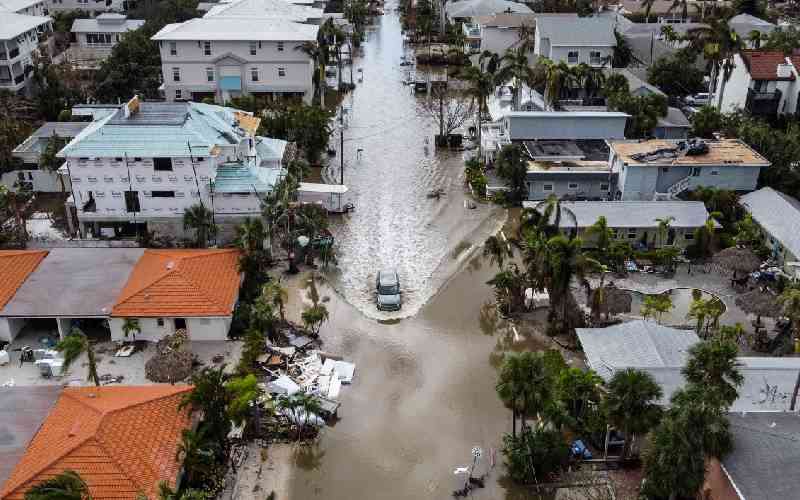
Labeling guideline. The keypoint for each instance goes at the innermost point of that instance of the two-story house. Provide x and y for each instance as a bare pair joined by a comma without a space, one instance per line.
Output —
574,40
25,7
763,83
659,169
20,35
145,163
93,7
96,37
223,57
496,33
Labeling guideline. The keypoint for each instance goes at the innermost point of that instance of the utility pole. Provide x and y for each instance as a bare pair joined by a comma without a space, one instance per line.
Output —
341,144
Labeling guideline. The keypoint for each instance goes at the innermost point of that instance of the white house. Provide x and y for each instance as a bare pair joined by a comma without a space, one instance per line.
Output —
467,9
764,83
575,40
661,169
20,35
778,216
96,37
32,176
25,7
144,163
496,33
225,57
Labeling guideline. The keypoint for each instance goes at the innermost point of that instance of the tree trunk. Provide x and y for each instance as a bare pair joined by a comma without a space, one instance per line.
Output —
794,392
322,86
514,420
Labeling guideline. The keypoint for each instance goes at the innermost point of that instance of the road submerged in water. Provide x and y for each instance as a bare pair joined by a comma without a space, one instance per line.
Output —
424,391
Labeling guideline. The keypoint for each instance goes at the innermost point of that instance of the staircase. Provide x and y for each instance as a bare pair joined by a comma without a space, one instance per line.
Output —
679,187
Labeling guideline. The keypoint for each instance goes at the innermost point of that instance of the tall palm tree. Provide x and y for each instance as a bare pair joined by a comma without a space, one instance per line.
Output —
496,250
301,407
201,220
683,5
602,233
556,76
480,85
196,454
509,285
632,404
510,385
277,295
516,69
72,346
131,326
65,486
250,235
713,365
719,44
319,54
566,261
664,224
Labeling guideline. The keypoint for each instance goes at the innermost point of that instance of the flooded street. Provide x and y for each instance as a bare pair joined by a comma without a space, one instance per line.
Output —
395,225
424,390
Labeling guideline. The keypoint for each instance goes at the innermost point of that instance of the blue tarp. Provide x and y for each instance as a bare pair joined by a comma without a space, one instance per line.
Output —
230,83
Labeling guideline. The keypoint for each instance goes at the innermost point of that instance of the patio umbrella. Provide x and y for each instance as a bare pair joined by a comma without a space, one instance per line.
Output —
759,303
737,260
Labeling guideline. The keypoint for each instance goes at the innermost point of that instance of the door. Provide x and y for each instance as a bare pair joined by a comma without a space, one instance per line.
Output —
180,324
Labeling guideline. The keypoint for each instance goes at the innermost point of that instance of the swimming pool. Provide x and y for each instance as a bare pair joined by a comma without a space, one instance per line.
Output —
681,301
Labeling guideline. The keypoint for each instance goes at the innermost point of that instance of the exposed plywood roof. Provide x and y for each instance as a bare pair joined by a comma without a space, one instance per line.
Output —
720,153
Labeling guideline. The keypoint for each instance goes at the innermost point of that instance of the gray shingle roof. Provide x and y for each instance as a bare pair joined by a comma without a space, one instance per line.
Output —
776,213
637,343
674,118
765,456
638,214
577,31
743,24
472,8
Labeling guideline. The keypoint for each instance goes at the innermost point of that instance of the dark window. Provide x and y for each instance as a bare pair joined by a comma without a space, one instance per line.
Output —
163,194
136,158
160,321
180,323
132,201
164,164
118,159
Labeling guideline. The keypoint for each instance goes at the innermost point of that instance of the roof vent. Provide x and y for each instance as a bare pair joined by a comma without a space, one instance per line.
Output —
73,431
171,265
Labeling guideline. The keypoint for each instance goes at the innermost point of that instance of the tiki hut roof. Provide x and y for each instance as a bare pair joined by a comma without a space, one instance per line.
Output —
616,300
759,303
737,259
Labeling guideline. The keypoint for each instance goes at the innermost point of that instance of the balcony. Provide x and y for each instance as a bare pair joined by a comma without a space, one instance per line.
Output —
472,30
763,103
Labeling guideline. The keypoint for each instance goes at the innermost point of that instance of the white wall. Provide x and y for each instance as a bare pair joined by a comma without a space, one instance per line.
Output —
212,328
90,6
10,327
561,53
735,95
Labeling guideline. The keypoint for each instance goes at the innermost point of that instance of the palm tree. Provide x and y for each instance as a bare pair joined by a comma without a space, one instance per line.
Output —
250,235
510,385
603,234
684,6
590,79
277,295
210,398
201,220
566,261
197,456
509,285
319,54
756,37
65,486
516,69
663,228
632,404
556,76
713,365
300,407
656,305
496,250
719,44
526,385
131,325
313,318
72,346
648,6
480,85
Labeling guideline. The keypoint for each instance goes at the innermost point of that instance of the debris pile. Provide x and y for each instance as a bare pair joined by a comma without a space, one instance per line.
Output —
172,361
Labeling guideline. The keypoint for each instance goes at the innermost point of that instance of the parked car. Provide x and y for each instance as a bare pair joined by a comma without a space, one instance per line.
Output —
387,285
701,99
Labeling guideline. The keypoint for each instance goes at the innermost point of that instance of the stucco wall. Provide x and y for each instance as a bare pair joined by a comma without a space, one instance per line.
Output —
589,186
198,328
10,327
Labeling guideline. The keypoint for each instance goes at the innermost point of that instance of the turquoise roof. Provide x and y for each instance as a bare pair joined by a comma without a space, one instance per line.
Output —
238,178
158,129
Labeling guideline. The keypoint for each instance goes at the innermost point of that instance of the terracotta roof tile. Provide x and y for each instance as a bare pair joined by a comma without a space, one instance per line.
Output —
15,267
763,65
181,283
122,441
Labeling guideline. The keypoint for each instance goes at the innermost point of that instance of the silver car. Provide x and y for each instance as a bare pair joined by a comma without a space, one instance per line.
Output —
387,286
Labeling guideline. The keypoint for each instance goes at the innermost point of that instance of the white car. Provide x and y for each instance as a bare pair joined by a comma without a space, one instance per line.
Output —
701,99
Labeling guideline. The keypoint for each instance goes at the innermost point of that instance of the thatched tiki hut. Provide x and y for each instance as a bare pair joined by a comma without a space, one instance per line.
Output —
612,300
738,260
760,304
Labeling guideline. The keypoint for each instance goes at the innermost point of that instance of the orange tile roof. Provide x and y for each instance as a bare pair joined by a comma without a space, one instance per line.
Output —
763,64
15,267
122,440
181,283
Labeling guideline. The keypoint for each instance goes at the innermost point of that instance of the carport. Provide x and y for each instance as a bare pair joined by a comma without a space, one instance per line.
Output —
72,285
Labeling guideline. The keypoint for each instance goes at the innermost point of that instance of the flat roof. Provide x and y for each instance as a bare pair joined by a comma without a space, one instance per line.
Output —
74,282
566,166
310,187
568,149
660,152
21,414
222,28
98,25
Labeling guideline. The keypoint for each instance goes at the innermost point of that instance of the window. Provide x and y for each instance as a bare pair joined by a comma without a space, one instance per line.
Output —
163,194
254,74
595,57
547,187
253,48
98,38
665,169
572,185
176,74
688,236
631,234
137,158
178,94
118,158
280,46
210,74
180,323
160,321
162,164
207,48
132,201
603,187
173,48
572,57
715,172
281,72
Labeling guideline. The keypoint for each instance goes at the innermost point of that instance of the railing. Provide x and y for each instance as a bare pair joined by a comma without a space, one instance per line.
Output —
679,187
763,103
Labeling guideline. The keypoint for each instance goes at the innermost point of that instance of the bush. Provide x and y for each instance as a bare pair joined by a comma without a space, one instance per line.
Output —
535,454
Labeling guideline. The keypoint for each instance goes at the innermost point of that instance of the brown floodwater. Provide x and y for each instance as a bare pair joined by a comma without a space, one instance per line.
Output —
424,389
